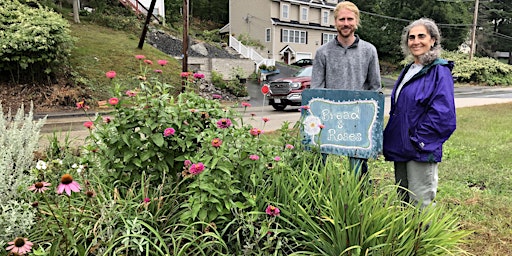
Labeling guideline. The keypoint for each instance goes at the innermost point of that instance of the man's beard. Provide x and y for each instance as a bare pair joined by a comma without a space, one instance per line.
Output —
341,32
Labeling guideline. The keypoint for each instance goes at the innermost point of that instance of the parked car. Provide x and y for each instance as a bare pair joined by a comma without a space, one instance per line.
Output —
287,91
303,62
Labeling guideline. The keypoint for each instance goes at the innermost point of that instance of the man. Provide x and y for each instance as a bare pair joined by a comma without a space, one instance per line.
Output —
347,62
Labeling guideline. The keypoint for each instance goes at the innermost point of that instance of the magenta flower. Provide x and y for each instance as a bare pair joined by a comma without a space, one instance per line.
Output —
187,163
254,157
198,75
321,126
277,158
255,131
196,168
224,123
216,96
305,107
289,146
140,57
111,74
162,62
19,246
158,71
169,131
265,119
216,142
147,200
272,211
107,119
184,74
246,104
149,62
88,124
68,184
113,101
131,93
80,105
39,187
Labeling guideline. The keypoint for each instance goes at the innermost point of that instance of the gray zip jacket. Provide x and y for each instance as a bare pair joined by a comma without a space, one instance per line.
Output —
353,68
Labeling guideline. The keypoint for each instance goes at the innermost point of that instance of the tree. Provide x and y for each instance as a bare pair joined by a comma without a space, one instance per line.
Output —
494,31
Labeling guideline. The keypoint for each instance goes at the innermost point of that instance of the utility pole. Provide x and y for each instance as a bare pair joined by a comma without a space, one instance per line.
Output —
473,31
184,67
146,24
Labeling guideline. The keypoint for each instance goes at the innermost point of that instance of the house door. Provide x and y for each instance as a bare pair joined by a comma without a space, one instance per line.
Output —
286,57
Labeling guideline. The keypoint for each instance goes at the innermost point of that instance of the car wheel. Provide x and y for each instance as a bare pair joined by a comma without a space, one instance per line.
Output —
279,106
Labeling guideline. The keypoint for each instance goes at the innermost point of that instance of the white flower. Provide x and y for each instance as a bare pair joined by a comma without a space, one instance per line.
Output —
80,169
74,166
41,165
312,125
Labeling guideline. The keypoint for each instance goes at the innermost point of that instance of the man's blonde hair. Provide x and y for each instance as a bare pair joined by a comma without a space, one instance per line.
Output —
349,6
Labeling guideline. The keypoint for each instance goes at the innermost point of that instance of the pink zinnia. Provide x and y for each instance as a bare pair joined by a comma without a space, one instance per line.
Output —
140,57
289,146
187,163
147,200
39,187
216,142
169,131
184,74
216,96
19,246
88,124
110,74
305,107
198,75
265,119
162,62
113,101
254,157
107,119
196,168
272,211
277,158
158,71
255,131
80,105
246,104
131,93
68,184
149,62
224,123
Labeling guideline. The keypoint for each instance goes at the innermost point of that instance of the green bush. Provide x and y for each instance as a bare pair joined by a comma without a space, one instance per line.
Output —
480,70
35,41
218,80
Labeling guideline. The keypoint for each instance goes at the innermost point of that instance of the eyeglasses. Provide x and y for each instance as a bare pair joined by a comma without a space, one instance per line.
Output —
420,36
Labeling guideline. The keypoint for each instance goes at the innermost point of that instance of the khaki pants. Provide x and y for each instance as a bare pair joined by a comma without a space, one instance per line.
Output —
418,182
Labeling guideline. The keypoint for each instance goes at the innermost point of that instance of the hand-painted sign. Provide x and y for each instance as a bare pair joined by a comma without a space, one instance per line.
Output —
343,122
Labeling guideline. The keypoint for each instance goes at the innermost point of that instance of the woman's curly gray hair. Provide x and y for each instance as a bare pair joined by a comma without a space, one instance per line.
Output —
434,52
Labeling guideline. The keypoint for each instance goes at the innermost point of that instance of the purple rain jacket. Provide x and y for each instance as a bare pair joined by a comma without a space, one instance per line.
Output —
423,117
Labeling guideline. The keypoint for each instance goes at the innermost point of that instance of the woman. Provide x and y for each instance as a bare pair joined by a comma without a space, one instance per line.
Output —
422,115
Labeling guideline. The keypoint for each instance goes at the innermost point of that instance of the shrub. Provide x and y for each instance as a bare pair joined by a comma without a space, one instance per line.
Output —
35,41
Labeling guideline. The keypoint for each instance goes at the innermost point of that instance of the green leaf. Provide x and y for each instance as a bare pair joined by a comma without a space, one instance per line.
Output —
158,139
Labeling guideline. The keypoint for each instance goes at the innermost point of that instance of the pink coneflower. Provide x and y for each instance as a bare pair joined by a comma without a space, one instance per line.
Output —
255,131
68,184
196,168
187,163
113,101
246,104
216,96
149,62
39,187
289,146
111,74
169,131
158,71
272,211
224,123
107,119
216,142
198,76
184,74
88,124
265,119
140,57
254,157
162,62
131,93
19,246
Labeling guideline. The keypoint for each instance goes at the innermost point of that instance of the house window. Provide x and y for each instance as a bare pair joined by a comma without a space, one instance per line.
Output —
327,37
285,11
304,14
294,36
267,35
325,18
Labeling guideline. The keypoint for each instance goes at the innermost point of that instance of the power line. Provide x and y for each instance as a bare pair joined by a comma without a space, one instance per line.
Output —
406,20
